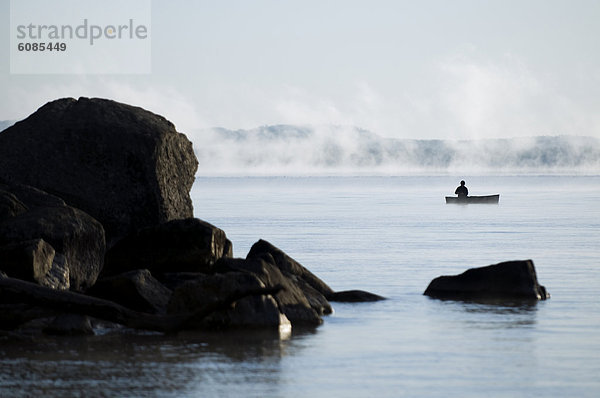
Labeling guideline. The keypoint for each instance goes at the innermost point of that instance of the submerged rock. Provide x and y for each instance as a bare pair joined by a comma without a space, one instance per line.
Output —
507,280
125,166
354,296
189,245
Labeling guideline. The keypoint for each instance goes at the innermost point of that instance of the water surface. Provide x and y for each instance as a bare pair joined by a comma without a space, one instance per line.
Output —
391,236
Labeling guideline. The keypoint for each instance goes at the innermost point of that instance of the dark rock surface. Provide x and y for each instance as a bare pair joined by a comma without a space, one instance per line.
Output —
288,266
70,325
253,312
507,280
137,290
10,205
291,300
29,260
125,166
354,296
58,277
71,233
173,280
317,301
189,245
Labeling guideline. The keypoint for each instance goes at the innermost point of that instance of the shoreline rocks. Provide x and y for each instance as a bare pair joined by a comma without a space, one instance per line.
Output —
96,221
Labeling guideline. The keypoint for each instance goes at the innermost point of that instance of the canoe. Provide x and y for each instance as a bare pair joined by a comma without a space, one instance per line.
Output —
473,199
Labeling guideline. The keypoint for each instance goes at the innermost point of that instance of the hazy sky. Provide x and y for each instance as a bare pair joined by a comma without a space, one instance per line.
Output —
419,69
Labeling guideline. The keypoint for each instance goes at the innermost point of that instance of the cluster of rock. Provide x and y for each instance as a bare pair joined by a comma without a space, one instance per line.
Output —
96,219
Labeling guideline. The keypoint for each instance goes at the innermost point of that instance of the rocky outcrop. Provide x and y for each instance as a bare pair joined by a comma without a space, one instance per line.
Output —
99,171
288,265
291,300
137,290
23,301
125,166
73,242
189,245
507,280
250,312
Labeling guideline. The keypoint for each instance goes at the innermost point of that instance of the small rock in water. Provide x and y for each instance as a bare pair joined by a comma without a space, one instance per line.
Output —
507,280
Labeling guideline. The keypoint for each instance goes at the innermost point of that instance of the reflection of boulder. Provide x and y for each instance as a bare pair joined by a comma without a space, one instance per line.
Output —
189,245
73,241
125,166
507,280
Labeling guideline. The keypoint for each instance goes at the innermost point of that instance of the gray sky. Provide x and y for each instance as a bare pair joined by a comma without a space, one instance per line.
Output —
406,69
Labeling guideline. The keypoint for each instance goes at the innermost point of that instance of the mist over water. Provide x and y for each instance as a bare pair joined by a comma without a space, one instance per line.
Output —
341,150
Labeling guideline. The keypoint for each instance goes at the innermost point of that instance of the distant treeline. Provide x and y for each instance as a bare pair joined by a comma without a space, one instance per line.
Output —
286,149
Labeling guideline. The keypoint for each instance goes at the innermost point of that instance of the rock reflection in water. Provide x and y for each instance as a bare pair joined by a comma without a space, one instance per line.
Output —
493,314
144,364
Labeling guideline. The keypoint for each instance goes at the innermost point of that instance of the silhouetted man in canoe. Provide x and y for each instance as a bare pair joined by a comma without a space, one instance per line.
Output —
462,191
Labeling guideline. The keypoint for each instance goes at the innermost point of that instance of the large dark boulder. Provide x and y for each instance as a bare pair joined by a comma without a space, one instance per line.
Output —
507,280
125,166
189,245
76,237
137,290
292,301
249,312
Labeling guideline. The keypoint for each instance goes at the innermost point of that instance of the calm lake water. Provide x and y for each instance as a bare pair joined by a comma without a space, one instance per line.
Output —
390,236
